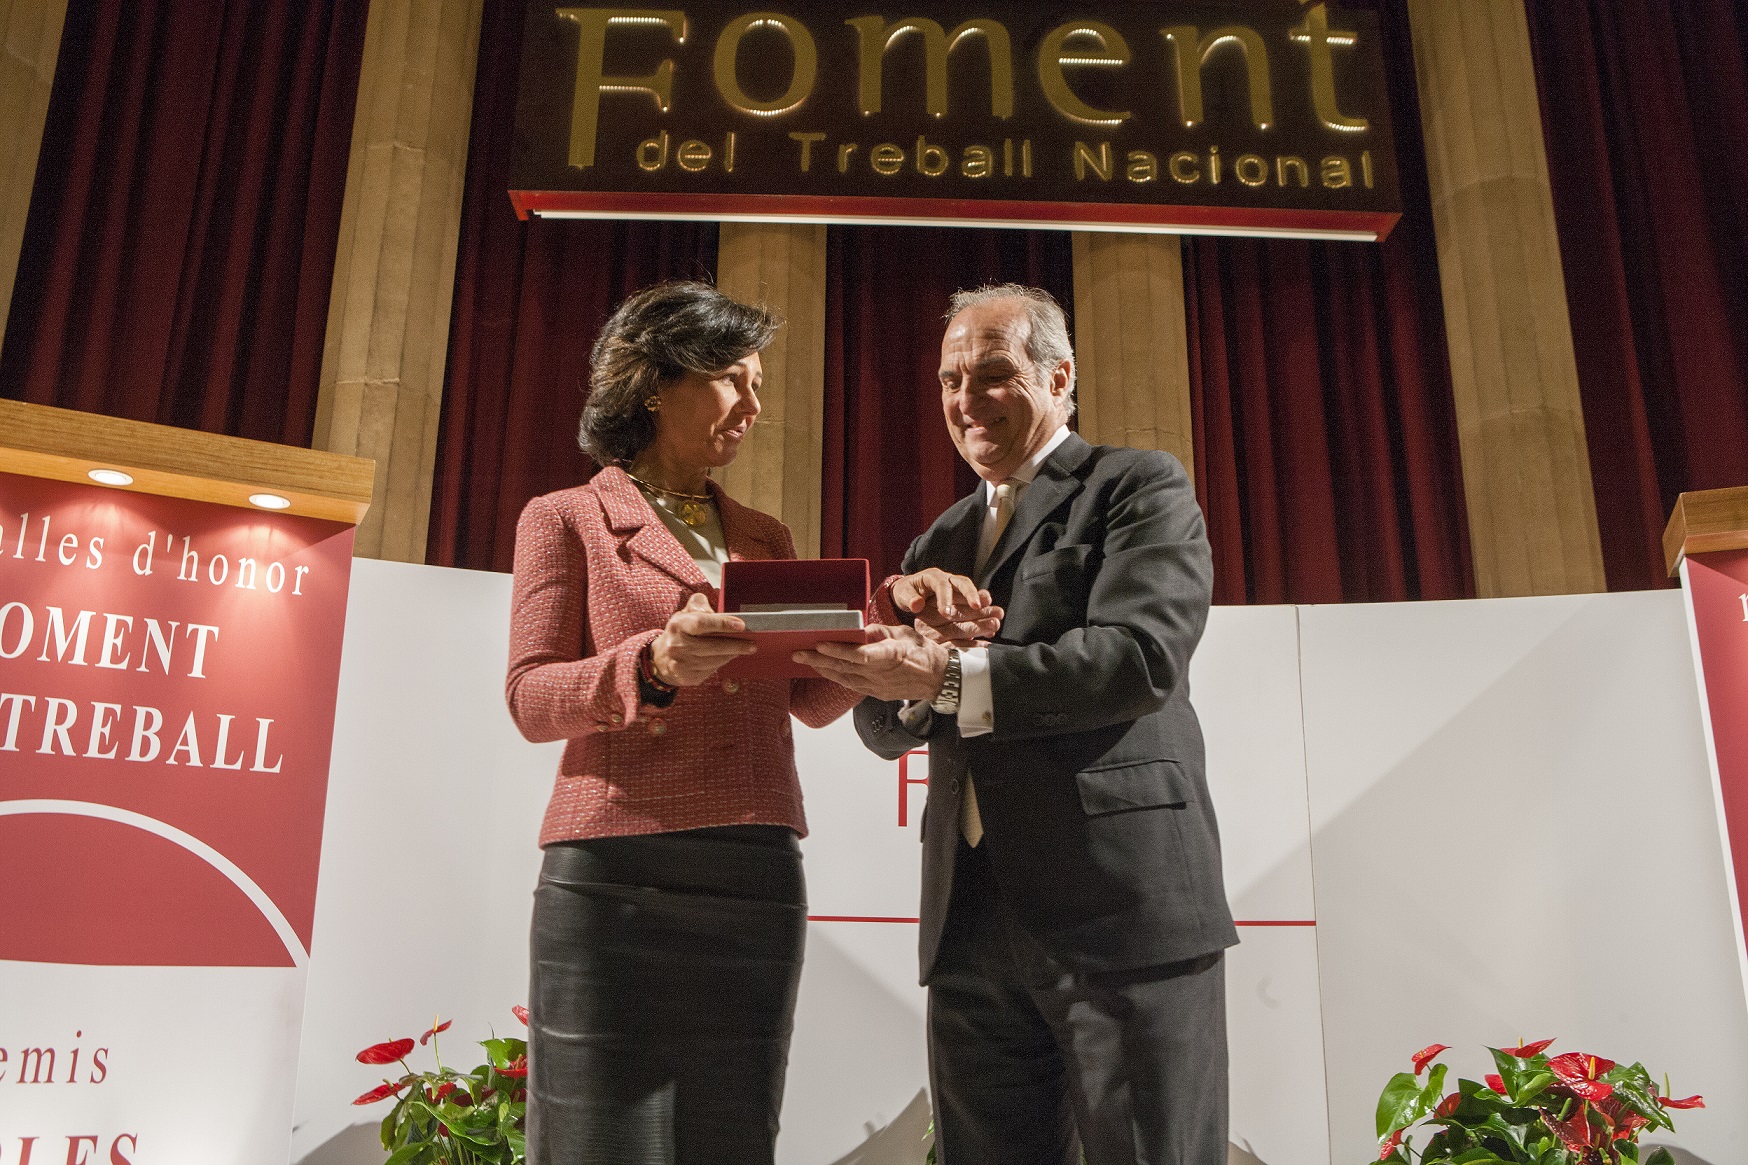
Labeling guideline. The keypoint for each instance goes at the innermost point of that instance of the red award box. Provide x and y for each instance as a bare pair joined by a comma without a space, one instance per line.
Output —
789,605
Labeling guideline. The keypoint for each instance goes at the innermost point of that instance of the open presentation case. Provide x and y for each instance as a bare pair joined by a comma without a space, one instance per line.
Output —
789,605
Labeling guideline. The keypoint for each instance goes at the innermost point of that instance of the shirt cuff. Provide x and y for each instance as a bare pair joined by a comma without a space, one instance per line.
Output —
976,698
917,717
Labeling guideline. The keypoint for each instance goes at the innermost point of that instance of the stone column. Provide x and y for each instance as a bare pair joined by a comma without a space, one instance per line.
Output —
1131,343
778,470
1526,468
30,44
388,322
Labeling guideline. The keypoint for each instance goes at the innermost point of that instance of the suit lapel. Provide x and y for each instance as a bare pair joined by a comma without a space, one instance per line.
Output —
737,532
1055,482
641,533
960,526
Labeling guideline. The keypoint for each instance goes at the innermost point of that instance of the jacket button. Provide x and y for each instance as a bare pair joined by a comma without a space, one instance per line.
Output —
618,717
731,686
657,727
955,785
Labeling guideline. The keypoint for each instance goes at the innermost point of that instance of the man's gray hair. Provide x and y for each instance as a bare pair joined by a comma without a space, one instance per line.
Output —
1047,342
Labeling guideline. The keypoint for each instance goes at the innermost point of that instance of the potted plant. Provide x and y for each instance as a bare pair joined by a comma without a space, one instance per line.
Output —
447,1117
1571,1109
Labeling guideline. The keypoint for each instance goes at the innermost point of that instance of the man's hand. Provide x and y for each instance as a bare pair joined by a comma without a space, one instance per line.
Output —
696,643
949,606
900,665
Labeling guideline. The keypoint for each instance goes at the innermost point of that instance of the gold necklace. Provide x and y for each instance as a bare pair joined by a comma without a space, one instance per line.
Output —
692,508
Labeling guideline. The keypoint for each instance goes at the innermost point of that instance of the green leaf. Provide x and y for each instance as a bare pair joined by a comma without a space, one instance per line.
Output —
1660,1156
1513,1071
503,1051
1636,1073
1401,1104
1636,1095
1531,1088
1445,1144
1515,1136
411,1154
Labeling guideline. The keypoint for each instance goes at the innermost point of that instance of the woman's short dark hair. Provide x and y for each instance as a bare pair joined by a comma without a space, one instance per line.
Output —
652,339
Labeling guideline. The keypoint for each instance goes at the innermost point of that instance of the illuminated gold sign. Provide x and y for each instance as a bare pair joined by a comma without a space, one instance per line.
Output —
1261,118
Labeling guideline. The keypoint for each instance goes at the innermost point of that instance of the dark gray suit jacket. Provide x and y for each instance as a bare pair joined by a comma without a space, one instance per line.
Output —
1092,787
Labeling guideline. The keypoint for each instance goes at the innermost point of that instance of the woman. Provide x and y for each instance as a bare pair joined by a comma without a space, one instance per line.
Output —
670,914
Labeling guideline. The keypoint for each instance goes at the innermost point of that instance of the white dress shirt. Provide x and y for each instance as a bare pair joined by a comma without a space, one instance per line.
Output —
976,698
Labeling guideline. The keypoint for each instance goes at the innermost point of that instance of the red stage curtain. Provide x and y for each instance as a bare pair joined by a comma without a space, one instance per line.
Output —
889,467
179,251
530,297
1326,451
1645,113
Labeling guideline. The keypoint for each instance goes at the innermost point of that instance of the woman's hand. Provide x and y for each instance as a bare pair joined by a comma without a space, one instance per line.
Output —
695,644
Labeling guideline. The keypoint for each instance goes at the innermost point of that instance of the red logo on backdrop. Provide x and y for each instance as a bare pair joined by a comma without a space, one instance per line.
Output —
168,671
1717,587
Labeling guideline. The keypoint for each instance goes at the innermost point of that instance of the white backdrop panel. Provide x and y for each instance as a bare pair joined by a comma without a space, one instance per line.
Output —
166,1064
1508,819
1514,837
429,860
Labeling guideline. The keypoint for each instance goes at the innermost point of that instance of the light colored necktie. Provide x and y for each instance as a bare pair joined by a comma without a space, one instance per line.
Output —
1004,512
970,820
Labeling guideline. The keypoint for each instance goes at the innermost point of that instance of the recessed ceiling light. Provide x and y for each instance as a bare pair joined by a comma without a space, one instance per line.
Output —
270,501
110,477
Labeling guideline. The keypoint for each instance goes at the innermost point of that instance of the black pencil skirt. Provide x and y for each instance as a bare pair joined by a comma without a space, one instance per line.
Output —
663,975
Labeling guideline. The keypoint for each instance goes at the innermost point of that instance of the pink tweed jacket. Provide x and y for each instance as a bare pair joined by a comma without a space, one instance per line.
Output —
597,575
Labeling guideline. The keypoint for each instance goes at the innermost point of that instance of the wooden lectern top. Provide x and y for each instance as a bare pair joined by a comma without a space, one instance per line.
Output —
1706,521
39,441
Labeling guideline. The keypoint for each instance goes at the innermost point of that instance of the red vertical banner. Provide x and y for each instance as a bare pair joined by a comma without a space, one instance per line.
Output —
168,673
1717,610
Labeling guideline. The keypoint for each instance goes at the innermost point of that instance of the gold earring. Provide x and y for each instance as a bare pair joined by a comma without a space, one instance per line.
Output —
652,404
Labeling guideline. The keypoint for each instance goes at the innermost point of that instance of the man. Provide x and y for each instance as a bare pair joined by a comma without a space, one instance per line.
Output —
1073,914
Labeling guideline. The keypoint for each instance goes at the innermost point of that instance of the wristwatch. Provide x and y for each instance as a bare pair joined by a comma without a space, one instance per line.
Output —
947,700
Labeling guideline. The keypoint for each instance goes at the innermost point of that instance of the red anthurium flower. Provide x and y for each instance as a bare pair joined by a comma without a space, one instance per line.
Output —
1448,1105
520,1013
1390,1144
517,1067
1496,1083
385,1053
1689,1102
463,1099
1528,1050
444,1089
1426,1056
1622,1123
1579,1073
1574,1131
442,1027
1628,1125
380,1092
